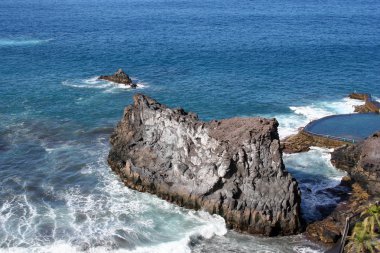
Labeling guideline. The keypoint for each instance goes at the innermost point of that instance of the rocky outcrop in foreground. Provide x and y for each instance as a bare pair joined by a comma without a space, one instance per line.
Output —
119,77
231,167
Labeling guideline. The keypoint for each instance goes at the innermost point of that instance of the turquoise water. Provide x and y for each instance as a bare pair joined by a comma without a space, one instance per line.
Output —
350,127
294,60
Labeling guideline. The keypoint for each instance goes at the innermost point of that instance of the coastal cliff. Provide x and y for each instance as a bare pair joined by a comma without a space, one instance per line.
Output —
231,167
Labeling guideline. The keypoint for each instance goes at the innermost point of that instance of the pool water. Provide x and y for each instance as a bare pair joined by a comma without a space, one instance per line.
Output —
351,127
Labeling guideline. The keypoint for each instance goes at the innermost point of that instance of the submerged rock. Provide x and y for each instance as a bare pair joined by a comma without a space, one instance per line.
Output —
119,77
231,167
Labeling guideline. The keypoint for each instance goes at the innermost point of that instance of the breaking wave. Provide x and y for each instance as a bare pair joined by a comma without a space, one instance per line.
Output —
106,86
316,177
95,212
302,115
21,42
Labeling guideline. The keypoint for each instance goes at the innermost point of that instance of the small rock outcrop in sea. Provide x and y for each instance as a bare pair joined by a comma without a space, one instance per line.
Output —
359,96
119,77
231,167
370,105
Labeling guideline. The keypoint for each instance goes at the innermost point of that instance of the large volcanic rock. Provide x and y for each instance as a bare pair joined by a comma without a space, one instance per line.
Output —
119,77
362,162
231,167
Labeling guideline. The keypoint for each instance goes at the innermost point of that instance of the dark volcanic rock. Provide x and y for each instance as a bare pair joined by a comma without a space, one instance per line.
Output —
119,77
362,162
231,167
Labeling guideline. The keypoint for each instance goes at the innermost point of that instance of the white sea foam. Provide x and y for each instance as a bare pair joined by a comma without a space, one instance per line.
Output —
300,249
315,174
302,115
107,87
21,42
317,161
108,216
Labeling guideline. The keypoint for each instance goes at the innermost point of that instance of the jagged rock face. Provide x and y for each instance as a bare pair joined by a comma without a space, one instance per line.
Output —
119,77
231,167
362,162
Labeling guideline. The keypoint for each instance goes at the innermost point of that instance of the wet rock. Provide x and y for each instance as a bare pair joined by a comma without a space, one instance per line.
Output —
359,96
302,141
231,167
326,231
362,162
119,77
330,229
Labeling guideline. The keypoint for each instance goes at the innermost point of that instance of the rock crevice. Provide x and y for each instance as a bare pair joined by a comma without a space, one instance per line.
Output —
231,167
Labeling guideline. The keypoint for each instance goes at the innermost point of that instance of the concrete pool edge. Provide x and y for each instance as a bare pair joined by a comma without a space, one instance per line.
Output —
302,141
344,138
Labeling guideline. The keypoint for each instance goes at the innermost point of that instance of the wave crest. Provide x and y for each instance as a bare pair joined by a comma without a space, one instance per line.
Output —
106,86
302,115
21,42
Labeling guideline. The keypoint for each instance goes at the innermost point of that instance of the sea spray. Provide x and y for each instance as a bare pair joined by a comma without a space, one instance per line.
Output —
315,174
300,116
21,42
105,86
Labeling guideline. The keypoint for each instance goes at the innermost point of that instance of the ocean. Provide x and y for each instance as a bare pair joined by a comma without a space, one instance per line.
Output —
295,60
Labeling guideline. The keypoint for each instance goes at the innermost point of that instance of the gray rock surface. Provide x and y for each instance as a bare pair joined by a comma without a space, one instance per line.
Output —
231,167
362,162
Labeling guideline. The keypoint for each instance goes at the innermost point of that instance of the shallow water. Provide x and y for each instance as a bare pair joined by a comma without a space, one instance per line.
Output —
294,60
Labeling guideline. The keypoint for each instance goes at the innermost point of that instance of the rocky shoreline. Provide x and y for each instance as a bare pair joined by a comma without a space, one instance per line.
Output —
231,167
361,161
234,168
302,141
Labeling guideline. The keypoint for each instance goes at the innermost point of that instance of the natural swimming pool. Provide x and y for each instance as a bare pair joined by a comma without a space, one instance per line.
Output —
350,127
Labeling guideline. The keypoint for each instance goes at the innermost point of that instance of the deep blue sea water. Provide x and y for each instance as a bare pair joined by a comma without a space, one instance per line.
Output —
295,60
